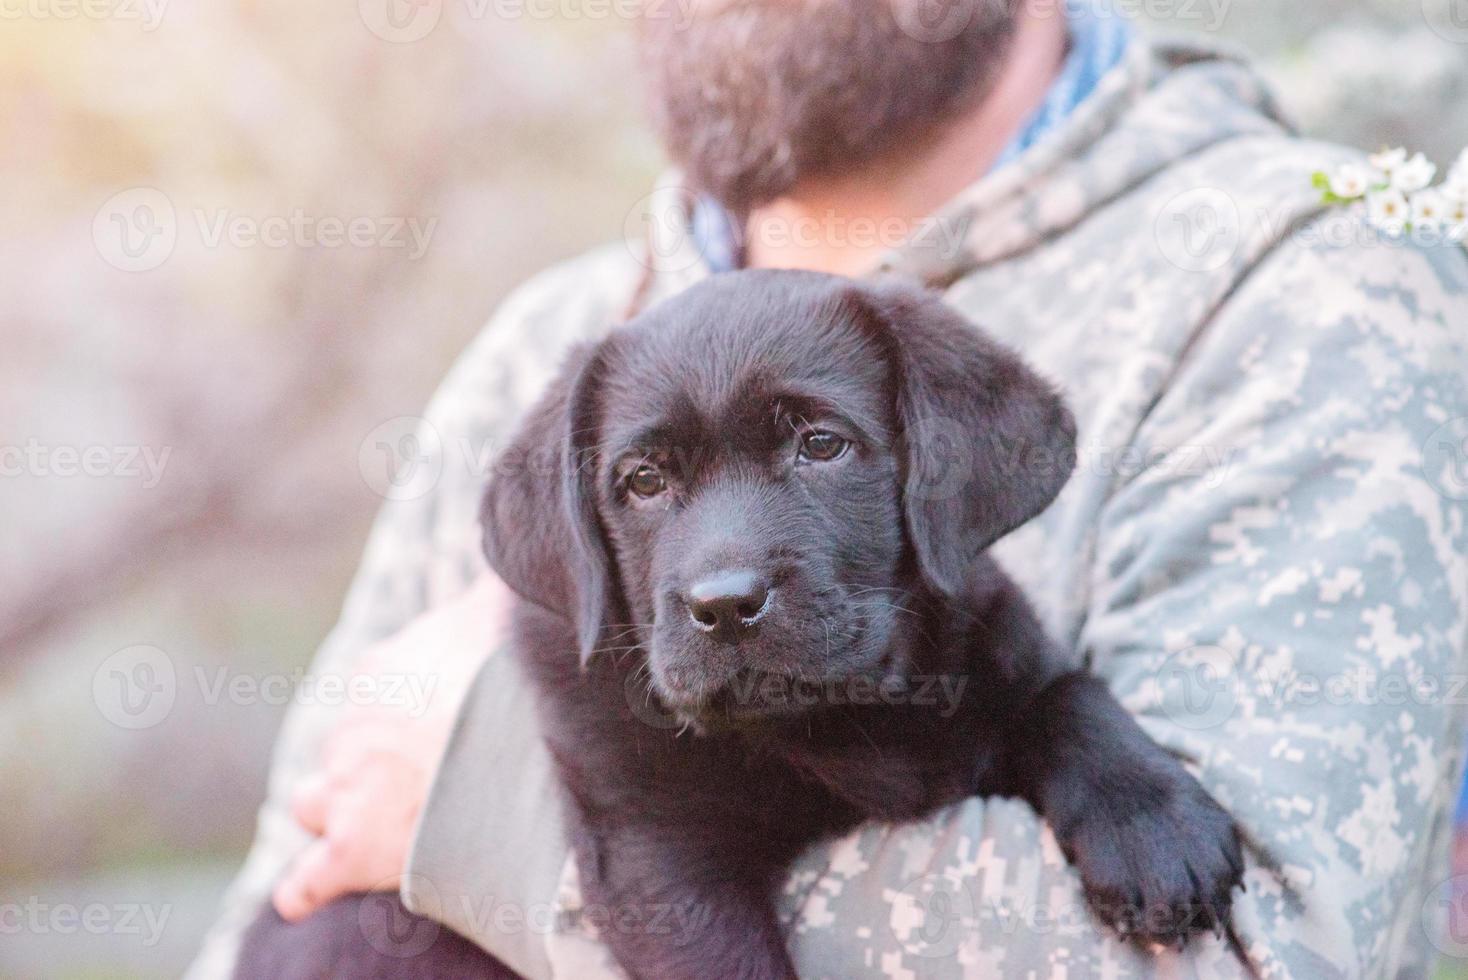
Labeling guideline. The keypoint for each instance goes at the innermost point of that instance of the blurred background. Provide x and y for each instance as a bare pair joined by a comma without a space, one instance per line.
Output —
194,411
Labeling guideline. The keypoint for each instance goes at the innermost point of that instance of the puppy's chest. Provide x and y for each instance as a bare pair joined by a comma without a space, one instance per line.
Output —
809,777
900,773
799,786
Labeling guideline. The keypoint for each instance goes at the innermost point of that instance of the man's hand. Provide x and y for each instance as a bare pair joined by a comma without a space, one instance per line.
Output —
372,778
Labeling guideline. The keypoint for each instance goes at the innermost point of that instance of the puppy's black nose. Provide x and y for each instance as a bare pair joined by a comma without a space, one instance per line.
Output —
728,603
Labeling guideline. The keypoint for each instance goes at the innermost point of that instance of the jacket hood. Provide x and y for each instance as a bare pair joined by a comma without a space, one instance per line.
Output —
1167,100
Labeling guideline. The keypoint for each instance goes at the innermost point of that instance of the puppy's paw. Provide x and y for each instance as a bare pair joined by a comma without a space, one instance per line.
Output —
1160,872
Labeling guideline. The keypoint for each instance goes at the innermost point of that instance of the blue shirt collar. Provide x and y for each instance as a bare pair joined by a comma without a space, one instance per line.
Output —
1098,42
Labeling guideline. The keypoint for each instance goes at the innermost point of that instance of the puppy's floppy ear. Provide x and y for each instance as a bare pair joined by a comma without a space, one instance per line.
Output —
987,444
542,534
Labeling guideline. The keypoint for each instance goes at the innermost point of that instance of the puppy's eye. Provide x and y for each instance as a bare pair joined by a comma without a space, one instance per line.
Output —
646,481
820,446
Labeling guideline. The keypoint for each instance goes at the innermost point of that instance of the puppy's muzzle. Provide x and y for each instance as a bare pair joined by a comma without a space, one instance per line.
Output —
729,605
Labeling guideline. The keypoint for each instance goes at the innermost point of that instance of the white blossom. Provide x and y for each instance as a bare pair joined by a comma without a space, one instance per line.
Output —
1413,175
1388,160
1459,170
1429,208
1387,210
1455,187
1455,219
1350,182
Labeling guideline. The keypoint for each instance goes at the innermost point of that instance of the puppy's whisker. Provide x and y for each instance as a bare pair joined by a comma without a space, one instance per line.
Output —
618,653
880,588
874,604
877,604
622,631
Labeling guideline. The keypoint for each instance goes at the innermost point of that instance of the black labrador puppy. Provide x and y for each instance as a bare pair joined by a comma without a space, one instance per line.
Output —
749,532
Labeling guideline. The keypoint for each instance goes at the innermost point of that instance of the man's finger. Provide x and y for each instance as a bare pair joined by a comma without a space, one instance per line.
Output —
317,877
310,803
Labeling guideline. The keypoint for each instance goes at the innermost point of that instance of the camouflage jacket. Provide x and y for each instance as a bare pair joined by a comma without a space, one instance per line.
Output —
1262,551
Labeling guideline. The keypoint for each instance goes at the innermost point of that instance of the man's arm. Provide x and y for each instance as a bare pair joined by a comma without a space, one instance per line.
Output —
362,799
1294,620
1291,616
423,553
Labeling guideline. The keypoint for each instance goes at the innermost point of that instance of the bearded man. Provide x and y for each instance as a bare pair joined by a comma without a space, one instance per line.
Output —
1263,540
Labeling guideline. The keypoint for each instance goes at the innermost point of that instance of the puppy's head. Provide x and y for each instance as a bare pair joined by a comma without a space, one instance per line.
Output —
745,482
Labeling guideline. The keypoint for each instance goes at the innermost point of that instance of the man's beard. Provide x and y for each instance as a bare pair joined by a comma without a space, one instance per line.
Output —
755,96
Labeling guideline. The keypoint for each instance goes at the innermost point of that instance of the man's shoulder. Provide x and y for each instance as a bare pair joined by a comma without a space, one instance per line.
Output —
1243,224
573,299
518,351
1321,311
1262,181
1251,156
1320,265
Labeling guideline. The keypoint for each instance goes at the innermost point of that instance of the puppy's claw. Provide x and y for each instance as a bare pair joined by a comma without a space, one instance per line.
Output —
1180,853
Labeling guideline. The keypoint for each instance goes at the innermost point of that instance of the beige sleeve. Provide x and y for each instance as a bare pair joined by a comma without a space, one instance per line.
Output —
490,848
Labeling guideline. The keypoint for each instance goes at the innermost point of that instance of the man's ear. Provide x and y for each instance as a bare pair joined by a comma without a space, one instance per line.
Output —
986,443
542,533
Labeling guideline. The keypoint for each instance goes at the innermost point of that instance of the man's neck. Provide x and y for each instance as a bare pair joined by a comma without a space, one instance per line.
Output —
844,225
